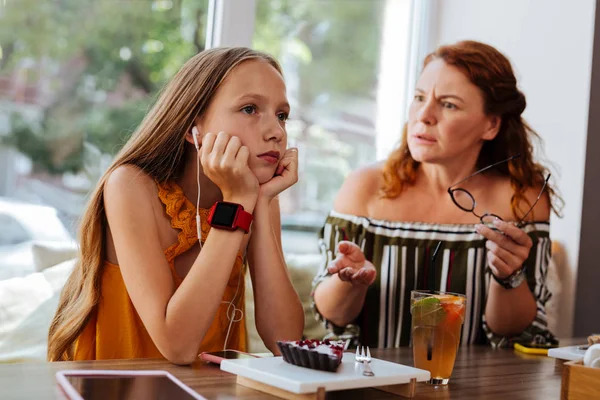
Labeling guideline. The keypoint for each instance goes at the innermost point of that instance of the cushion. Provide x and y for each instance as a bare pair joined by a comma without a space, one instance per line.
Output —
47,254
22,259
16,260
302,269
557,268
27,306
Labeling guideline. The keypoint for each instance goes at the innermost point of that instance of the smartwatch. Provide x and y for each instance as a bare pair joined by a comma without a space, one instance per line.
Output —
229,216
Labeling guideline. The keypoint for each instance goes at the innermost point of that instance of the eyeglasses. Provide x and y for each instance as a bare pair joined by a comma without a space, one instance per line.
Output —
466,202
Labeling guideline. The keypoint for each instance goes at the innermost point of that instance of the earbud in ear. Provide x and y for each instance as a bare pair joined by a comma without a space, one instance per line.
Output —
195,136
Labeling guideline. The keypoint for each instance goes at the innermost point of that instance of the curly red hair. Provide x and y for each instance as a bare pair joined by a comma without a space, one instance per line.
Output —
492,73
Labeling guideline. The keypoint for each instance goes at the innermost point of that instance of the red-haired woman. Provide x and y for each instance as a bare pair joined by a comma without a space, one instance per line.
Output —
463,180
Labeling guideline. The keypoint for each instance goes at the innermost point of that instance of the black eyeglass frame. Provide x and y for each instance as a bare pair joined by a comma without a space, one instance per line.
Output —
483,217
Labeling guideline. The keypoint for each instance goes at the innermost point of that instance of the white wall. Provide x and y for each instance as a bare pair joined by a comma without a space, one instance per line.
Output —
549,43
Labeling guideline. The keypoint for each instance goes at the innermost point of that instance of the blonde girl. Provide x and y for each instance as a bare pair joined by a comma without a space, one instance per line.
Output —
144,287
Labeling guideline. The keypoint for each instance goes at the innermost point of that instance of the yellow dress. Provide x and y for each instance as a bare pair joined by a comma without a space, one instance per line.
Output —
115,330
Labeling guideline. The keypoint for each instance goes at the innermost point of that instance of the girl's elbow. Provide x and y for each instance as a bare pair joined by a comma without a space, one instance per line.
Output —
178,352
180,357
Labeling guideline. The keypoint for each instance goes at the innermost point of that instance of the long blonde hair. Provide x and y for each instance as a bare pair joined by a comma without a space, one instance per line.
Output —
157,147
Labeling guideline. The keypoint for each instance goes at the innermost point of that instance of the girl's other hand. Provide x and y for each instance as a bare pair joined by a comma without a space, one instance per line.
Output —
286,175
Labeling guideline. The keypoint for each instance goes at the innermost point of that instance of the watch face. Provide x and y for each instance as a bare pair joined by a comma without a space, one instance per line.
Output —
516,280
224,214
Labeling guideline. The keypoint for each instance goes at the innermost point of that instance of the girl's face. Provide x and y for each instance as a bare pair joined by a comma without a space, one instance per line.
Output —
251,104
447,117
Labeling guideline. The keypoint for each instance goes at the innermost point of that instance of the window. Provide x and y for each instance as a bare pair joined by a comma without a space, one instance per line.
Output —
76,77
335,56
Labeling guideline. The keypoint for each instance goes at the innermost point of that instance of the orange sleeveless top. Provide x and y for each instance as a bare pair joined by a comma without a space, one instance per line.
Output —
115,330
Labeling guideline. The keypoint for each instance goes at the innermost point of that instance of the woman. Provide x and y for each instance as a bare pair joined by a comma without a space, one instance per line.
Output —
144,286
389,218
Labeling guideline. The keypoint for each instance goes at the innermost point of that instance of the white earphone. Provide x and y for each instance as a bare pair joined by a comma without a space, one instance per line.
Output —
231,312
195,136
198,221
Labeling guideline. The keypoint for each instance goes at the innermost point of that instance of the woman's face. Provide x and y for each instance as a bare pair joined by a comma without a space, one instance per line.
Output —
251,104
446,118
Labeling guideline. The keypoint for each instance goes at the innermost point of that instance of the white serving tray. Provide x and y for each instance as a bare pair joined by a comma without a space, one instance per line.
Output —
569,353
273,371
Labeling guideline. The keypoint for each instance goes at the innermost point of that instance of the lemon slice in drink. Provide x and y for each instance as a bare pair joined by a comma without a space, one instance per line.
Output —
428,311
444,298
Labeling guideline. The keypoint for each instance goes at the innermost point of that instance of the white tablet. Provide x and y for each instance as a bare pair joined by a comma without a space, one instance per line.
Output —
123,385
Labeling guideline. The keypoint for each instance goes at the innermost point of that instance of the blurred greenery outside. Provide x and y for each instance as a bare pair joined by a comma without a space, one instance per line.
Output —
97,66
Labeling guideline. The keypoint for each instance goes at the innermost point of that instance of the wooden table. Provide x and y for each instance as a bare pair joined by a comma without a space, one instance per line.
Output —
479,373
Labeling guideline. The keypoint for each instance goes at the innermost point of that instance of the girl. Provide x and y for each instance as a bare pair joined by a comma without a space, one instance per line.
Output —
144,287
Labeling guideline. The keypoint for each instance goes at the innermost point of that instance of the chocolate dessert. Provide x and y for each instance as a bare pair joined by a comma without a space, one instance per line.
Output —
323,355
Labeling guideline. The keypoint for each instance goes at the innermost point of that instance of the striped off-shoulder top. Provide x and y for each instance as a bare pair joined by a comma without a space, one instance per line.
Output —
401,253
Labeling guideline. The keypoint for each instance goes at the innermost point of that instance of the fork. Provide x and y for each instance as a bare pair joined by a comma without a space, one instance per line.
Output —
364,360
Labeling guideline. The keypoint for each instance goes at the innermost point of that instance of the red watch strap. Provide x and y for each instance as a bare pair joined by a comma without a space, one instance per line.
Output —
243,220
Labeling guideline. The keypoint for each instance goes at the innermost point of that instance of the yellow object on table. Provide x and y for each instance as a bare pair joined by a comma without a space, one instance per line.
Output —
530,350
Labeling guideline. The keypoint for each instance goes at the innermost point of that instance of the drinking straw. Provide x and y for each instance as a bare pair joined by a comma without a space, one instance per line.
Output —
431,277
431,284
430,345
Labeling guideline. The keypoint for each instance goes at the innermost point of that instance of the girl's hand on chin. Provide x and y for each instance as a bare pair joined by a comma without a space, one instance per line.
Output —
286,175
225,162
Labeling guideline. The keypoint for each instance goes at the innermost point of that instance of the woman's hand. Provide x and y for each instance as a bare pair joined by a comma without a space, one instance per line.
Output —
286,175
351,265
225,162
507,249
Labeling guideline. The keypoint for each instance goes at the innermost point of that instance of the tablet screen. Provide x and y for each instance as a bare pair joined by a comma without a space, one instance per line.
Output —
103,387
